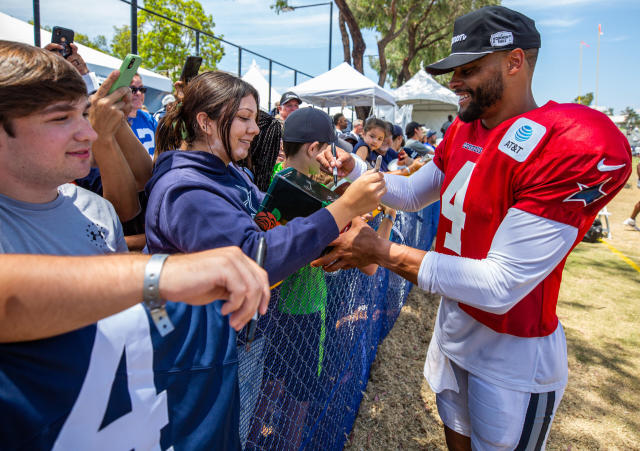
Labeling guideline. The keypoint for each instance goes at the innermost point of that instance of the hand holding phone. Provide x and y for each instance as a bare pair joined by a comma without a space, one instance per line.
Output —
128,69
190,68
63,37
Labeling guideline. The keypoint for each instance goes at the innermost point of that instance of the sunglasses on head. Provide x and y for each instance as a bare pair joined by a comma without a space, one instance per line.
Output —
135,89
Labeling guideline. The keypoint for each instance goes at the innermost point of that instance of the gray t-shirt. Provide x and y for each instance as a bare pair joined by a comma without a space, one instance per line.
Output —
418,147
77,222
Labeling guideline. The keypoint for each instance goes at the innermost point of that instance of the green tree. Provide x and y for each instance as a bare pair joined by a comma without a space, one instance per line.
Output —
98,43
632,119
390,20
426,37
585,99
410,32
351,39
163,45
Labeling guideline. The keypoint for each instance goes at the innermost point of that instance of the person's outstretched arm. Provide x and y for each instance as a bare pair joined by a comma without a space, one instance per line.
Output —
525,249
106,113
134,152
42,296
403,193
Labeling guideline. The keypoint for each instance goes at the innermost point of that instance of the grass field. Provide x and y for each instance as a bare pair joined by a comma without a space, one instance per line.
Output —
599,307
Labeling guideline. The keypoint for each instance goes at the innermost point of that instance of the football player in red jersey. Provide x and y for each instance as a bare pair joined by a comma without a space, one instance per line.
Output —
519,186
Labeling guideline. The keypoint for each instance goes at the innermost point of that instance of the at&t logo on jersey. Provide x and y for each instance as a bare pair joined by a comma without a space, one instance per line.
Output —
524,133
522,137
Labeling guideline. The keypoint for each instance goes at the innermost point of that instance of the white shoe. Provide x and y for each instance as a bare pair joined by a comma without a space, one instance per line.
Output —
629,222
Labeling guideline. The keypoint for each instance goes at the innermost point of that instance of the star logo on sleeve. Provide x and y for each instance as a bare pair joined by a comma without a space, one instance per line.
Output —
587,194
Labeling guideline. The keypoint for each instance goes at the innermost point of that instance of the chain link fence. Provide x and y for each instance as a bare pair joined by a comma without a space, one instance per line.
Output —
304,376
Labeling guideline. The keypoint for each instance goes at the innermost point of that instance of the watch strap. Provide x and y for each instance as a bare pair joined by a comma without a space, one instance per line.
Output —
151,294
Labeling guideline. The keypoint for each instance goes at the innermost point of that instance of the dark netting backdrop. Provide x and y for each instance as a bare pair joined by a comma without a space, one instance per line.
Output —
302,380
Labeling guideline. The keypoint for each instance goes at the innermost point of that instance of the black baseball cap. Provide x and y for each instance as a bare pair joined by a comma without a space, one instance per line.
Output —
289,95
396,131
487,30
307,125
411,128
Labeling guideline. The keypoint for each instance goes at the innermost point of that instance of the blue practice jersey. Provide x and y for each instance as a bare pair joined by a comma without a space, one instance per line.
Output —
119,385
144,126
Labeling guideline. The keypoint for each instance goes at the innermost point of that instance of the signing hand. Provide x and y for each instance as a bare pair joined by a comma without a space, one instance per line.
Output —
344,162
365,193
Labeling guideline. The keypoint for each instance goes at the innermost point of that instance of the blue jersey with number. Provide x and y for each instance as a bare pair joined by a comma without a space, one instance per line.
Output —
119,385
144,126
116,384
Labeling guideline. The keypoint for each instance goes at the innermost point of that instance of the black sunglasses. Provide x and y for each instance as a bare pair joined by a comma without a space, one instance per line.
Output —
135,89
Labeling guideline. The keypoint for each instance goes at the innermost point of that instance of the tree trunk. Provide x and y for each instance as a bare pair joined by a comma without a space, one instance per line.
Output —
346,43
356,36
362,112
391,34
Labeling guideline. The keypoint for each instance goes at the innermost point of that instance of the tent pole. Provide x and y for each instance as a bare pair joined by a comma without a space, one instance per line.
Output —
270,85
36,23
134,26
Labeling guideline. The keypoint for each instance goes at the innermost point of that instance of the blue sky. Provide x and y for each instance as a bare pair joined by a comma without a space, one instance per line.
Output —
300,39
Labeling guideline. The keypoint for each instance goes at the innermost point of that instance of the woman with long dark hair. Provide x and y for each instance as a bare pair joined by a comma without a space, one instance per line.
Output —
199,199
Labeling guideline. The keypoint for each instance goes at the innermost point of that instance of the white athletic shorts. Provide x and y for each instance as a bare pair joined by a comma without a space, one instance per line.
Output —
497,418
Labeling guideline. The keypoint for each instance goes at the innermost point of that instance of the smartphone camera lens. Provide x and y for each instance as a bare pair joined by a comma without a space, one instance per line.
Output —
130,64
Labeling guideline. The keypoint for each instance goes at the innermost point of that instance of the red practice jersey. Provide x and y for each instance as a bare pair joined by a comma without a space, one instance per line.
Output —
562,162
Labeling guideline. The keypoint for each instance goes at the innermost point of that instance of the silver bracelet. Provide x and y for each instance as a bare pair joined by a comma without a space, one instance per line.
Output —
389,217
151,294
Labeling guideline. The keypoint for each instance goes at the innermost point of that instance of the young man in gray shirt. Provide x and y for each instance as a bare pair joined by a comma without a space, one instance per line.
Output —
76,319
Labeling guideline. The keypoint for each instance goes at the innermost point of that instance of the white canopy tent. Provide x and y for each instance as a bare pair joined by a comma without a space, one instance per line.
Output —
13,29
342,86
431,101
255,78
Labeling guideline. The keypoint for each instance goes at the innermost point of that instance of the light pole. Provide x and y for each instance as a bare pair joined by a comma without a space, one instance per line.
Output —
293,8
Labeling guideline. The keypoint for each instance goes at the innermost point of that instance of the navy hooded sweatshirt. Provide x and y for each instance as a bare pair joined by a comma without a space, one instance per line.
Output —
196,202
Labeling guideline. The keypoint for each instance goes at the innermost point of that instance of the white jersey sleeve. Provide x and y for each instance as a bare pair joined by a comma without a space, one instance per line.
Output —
525,249
408,193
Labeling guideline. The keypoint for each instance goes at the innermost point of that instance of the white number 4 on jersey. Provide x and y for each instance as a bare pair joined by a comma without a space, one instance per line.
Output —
126,331
453,211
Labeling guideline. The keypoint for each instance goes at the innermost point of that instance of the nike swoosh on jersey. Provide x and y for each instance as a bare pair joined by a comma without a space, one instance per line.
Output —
606,168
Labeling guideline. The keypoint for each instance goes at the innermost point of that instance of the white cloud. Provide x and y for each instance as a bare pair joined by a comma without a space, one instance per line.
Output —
614,38
558,22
